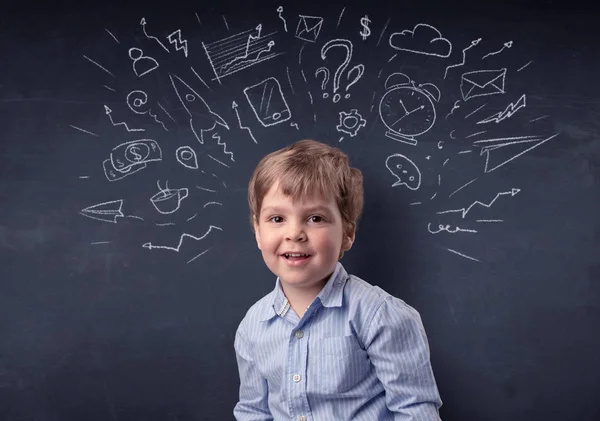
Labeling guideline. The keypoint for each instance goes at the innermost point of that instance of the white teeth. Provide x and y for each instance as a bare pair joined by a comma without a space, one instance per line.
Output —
295,255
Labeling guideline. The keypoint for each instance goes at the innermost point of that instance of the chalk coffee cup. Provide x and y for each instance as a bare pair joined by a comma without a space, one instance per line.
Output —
167,201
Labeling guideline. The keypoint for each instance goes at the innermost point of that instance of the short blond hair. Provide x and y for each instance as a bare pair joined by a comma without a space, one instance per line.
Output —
305,168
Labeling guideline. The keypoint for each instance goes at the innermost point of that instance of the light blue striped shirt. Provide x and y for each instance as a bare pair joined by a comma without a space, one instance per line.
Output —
358,353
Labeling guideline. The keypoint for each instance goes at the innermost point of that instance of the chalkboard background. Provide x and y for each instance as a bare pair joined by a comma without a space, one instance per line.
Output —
106,315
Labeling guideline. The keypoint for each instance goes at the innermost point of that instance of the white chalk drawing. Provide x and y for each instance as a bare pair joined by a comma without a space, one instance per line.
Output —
524,66
168,200
404,170
475,134
177,248
462,255
198,19
504,46
446,228
452,135
538,118
84,131
295,126
465,211
186,156
350,123
205,189
489,220
109,88
216,137
340,17
212,203
130,157
365,32
482,83
105,211
225,21
237,52
501,151
454,108
309,27
136,100
423,39
475,110
112,174
202,118
217,161
279,13
326,73
387,22
507,113
359,69
195,257
234,105
146,63
287,70
407,109
99,65
180,44
200,79
464,56
112,36
462,187
108,112
268,103
143,23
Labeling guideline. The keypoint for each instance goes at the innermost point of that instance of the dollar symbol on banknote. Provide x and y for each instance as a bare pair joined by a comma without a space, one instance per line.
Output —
137,157
365,32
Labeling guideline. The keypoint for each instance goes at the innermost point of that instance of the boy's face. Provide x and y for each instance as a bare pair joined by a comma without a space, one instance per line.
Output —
300,240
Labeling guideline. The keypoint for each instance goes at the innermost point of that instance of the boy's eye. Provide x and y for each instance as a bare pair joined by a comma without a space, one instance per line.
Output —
276,219
316,218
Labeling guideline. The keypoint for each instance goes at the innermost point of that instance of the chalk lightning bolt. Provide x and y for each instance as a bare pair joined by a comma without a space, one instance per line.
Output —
225,151
507,113
237,113
178,42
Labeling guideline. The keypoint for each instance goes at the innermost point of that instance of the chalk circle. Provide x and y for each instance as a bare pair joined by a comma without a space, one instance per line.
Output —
190,97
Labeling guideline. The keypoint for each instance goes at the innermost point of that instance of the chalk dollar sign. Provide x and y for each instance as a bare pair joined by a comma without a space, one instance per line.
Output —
365,32
135,151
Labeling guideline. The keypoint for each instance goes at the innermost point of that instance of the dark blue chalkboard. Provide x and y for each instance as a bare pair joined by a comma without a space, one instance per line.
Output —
128,136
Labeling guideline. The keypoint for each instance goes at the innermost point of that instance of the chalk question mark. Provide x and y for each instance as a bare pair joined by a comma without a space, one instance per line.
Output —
324,70
347,46
360,68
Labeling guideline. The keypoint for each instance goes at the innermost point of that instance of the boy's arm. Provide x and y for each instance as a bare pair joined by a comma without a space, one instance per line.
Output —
254,392
397,346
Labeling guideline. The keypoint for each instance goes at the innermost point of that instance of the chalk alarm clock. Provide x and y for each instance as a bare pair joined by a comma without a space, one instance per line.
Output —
406,109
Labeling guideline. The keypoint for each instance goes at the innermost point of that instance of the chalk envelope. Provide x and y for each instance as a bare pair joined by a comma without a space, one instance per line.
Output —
482,83
309,27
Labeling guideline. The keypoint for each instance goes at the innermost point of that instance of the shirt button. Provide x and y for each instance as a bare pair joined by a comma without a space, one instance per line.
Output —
296,378
301,418
299,334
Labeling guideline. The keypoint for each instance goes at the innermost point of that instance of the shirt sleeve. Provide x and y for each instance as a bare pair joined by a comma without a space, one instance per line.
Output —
254,393
398,348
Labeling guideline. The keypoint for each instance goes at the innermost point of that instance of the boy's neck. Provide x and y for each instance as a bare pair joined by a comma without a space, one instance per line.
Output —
301,298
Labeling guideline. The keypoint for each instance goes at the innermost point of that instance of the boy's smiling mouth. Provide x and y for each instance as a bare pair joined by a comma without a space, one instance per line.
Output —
296,258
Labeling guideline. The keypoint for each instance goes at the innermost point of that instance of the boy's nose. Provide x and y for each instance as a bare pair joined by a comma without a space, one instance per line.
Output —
295,232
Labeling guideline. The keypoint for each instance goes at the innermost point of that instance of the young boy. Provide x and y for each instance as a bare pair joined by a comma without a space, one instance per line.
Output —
324,345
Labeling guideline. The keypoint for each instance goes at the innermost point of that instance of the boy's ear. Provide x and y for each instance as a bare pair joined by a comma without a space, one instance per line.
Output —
256,233
348,241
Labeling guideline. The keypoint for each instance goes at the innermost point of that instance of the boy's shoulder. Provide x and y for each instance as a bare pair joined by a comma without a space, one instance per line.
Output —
362,294
258,310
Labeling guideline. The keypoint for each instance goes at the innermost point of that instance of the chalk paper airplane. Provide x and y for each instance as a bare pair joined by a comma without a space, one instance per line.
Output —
501,151
105,212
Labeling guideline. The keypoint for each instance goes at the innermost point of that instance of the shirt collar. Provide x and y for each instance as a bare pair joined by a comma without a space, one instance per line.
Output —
330,296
